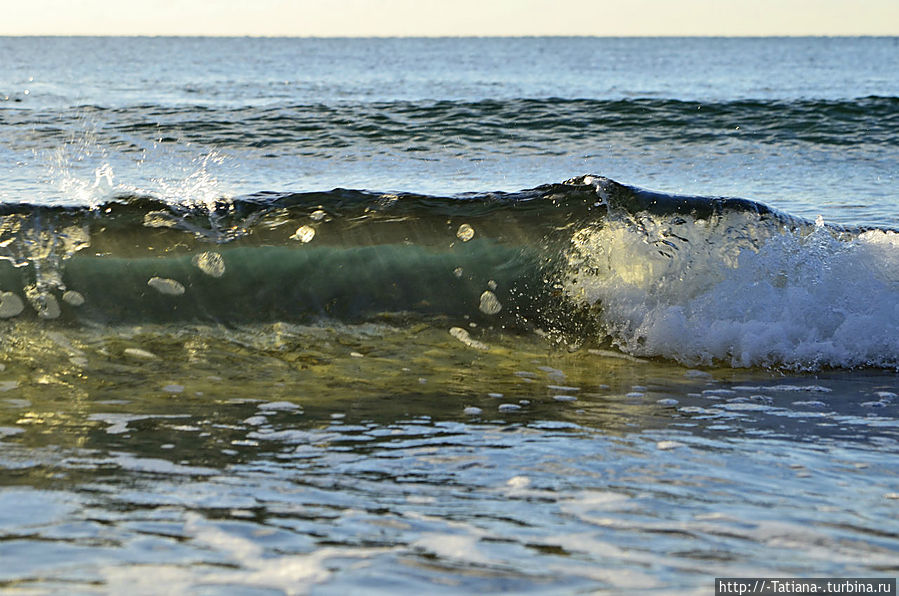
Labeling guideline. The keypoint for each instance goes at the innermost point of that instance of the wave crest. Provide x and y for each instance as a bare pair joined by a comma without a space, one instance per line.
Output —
701,280
741,286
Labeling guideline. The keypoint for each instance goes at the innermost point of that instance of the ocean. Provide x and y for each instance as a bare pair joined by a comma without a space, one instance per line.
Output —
402,316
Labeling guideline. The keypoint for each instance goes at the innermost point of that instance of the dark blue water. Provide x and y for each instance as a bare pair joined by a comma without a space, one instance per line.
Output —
808,125
468,368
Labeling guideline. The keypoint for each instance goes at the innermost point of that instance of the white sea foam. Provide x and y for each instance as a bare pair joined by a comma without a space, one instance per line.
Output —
741,290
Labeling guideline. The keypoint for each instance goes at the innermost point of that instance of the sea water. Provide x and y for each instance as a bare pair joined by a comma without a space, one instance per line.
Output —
446,315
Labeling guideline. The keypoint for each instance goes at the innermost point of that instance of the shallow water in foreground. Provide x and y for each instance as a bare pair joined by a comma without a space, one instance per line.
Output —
292,459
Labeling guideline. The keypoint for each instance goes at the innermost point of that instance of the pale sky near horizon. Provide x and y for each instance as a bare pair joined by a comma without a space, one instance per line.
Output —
326,18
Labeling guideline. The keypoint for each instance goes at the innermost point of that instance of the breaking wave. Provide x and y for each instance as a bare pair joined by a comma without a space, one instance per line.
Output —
704,281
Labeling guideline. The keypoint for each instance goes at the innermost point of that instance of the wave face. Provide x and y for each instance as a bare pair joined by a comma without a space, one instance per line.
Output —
591,261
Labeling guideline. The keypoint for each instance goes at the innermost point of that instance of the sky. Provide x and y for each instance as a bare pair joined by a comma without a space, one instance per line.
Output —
327,18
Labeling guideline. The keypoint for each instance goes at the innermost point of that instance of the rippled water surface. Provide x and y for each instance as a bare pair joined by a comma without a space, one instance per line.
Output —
372,457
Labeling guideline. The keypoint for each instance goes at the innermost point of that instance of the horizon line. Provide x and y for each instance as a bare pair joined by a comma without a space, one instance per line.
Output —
465,36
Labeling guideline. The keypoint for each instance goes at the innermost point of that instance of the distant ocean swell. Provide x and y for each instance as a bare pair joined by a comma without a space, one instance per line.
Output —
410,125
589,261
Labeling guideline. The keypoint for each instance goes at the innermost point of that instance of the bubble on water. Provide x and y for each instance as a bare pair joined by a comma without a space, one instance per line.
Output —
667,402
173,388
473,411
666,445
166,286
720,392
491,284
465,233
210,263
458,271
495,395
811,403
72,298
564,398
743,407
10,305
518,482
563,388
284,406
245,443
509,407
635,394
489,303
789,388
317,215
304,234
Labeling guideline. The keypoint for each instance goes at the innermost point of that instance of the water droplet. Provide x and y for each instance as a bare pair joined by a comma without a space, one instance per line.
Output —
465,233
10,305
304,234
73,298
166,286
489,303
210,263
